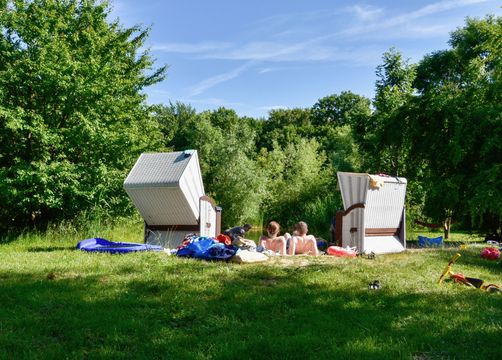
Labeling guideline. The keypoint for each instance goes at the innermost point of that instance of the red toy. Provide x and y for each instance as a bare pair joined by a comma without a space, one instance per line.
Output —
341,252
490,253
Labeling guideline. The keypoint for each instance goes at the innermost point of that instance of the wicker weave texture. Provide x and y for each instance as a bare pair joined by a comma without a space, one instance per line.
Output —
158,169
166,187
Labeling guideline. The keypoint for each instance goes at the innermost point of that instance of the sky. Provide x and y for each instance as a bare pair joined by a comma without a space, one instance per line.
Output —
256,56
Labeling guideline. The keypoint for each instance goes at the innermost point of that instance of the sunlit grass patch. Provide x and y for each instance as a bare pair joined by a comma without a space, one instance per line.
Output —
58,302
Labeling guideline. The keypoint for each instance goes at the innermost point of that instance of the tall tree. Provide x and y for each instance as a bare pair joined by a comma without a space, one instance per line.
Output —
226,146
386,144
174,123
285,126
72,113
297,178
346,108
340,123
457,125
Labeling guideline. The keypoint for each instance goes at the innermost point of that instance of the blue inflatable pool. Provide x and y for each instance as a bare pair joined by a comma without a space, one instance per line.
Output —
106,246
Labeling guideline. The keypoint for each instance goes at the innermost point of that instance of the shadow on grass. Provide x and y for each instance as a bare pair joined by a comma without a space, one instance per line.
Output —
8,238
50,248
413,244
226,311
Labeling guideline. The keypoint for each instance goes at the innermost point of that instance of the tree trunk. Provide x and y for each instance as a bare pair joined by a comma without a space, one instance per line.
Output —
447,225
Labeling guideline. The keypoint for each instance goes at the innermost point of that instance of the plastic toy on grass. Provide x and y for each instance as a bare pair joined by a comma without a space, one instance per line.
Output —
493,243
465,280
342,252
322,244
490,253
106,246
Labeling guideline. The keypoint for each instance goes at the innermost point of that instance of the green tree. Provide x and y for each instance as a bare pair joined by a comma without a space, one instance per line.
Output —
338,110
226,146
72,114
340,127
173,121
341,148
233,178
297,179
285,126
386,147
457,124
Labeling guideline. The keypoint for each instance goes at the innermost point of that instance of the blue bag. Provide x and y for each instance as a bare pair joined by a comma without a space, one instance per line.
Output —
424,241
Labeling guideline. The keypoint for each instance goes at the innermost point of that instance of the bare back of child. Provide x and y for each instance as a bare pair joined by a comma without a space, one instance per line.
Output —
272,241
301,243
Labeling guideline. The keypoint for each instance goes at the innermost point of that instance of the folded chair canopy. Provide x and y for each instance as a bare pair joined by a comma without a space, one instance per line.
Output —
168,191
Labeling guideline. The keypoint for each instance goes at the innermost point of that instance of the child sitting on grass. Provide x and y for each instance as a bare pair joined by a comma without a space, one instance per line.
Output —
237,236
301,243
272,241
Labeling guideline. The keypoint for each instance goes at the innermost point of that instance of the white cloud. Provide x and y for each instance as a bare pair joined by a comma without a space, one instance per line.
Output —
161,92
429,30
273,107
312,50
218,79
327,47
273,51
365,12
213,102
290,20
308,51
190,48
405,18
265,70
430,10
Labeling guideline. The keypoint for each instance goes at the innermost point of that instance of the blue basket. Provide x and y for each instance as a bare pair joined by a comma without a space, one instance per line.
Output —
424,241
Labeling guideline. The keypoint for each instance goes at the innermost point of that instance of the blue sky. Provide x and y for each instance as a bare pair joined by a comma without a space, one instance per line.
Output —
254,56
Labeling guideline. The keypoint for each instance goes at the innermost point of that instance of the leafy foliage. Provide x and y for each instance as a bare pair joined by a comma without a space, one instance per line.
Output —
394,89
338,110
73,120
297,176
72,114
226,144
457,125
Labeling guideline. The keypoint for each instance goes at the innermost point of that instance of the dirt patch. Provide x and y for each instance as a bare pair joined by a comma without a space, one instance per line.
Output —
288,261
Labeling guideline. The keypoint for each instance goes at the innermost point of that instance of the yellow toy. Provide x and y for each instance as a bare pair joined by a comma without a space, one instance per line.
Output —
469,281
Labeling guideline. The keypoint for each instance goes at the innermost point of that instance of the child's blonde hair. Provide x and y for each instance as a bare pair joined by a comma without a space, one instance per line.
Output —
301,228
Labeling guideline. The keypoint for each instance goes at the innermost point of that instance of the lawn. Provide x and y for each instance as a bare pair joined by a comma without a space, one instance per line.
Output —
57,302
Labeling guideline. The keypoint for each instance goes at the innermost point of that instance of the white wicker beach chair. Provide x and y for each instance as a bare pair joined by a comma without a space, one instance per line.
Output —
168,191
374,218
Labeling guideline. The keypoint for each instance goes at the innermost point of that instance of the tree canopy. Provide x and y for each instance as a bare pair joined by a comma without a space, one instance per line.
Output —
73,120
72,114
457,123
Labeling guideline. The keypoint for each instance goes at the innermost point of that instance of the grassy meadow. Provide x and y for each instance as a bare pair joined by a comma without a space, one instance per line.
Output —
57,302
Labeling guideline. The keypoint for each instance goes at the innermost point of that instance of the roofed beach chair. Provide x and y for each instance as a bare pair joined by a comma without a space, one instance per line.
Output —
374,218
168,192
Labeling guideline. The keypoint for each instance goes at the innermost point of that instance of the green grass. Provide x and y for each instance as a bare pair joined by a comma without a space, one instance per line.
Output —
456,237
57,302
